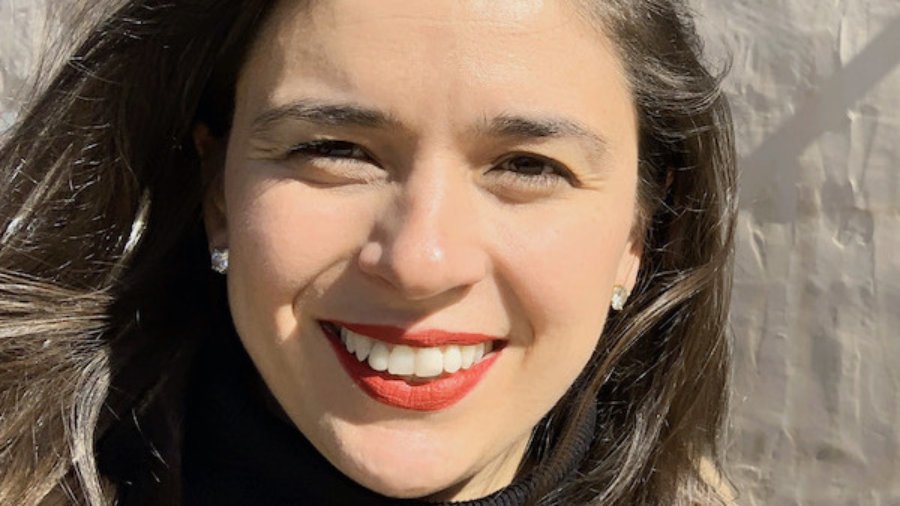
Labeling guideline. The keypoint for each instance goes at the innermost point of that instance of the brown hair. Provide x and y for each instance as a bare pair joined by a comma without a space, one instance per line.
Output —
105,287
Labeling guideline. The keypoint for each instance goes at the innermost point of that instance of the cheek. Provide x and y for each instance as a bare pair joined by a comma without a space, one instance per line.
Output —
285,239
561,274
562,278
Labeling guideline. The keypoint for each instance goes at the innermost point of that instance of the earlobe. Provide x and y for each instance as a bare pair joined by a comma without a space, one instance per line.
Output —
211,153
626,277
630,264
215,217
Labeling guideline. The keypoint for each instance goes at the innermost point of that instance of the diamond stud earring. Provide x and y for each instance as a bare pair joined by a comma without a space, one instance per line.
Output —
619,296
219,260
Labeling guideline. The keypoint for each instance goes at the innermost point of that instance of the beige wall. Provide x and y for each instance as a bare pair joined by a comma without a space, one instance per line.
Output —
816,94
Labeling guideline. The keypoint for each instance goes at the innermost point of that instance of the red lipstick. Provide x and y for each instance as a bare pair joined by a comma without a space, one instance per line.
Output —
420,395
422,338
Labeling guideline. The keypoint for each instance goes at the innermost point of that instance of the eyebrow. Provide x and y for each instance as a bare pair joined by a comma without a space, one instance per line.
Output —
523,127
324,113
352,115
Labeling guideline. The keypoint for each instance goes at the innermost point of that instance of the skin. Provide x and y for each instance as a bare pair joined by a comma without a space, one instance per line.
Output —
430,224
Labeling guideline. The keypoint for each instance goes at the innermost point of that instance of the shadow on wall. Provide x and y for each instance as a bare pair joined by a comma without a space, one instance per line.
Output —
774,162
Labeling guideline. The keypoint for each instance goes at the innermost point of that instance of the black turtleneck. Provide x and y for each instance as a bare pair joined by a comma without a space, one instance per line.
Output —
237,452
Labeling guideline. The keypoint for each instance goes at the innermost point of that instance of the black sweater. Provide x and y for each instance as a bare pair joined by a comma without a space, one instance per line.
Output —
237,452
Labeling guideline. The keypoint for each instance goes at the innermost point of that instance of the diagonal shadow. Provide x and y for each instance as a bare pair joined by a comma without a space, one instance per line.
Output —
774,162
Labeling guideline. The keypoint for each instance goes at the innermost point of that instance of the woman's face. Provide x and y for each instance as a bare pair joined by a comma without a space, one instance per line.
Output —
447,179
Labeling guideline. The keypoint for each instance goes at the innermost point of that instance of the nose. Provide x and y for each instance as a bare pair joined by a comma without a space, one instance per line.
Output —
427,243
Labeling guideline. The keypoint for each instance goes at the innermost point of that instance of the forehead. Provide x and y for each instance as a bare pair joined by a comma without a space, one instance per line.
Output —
454,60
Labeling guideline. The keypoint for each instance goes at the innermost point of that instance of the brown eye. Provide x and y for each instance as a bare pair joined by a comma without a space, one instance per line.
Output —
332,149
530,166
536,171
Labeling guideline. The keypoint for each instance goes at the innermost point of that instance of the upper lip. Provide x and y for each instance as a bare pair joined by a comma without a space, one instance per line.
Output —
420,338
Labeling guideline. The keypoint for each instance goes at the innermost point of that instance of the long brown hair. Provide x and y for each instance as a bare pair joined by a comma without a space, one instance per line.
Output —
105,288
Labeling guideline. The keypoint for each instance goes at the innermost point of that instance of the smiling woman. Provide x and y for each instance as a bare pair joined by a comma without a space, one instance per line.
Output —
419,215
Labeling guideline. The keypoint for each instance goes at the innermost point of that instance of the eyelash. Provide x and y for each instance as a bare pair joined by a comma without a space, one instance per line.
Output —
356,154
557,173
322,148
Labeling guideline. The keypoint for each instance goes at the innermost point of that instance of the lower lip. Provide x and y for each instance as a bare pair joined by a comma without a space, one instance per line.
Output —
429,395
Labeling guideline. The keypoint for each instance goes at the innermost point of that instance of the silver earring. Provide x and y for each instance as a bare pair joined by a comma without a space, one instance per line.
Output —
219,260
619,296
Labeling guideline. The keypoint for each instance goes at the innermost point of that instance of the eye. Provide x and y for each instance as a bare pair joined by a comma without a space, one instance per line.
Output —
532,170
334,162
334,149
529,166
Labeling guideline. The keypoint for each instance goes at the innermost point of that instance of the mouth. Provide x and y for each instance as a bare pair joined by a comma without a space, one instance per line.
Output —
425,371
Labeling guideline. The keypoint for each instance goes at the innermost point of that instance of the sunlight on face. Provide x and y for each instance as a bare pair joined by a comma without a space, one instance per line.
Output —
438,177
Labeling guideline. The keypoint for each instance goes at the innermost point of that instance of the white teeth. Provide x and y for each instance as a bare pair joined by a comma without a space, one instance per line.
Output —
402,361
363,347
379,357
479,352
467,356
429,362
351,341
423,362
452,359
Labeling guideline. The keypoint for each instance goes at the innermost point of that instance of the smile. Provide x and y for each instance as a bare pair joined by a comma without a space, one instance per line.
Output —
424,371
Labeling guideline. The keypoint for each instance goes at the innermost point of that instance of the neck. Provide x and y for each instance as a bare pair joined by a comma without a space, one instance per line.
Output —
491,477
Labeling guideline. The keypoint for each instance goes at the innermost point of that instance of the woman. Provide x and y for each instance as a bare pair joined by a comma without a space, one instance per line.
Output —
472,251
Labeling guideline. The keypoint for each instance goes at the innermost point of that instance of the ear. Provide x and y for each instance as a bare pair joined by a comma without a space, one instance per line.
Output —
630,263
212,163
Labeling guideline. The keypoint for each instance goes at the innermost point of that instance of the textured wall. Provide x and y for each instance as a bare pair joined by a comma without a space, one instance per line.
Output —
816,93
21,26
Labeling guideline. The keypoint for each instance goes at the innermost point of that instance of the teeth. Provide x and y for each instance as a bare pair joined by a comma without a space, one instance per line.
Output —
379,357
351,341
429,362
404,360
363,347
479,351
467,356
452,358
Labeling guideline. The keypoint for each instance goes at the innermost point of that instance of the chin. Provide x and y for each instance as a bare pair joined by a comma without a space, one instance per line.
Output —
397,485
408,466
